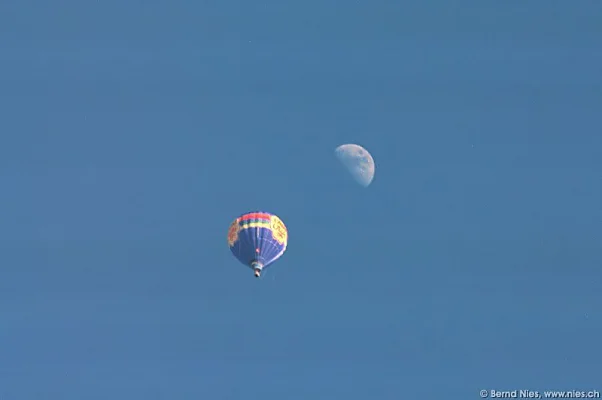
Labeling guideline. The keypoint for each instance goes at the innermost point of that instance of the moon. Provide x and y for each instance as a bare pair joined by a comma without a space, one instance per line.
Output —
358,162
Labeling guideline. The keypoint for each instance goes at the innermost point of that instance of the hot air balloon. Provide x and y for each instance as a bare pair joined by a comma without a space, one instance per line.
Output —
257,239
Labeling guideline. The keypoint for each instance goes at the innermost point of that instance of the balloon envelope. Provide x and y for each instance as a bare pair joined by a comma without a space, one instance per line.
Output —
358,161
257,239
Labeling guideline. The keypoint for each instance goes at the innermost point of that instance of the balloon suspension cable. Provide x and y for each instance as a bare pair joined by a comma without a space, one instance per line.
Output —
257,267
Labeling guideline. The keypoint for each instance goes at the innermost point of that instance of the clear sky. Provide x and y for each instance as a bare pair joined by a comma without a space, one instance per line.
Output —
133,132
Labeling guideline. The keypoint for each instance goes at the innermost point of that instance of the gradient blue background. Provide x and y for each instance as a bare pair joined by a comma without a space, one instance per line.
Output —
132,133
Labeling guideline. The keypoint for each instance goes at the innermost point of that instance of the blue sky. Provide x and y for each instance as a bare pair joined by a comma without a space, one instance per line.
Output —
132,133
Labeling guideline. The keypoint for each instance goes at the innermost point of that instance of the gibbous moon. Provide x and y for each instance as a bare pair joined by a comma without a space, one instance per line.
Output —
357,161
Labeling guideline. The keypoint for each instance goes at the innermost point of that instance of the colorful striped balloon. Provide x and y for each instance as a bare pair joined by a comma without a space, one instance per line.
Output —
257,239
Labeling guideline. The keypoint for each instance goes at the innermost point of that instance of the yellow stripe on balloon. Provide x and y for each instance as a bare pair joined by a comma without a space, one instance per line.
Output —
256,225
